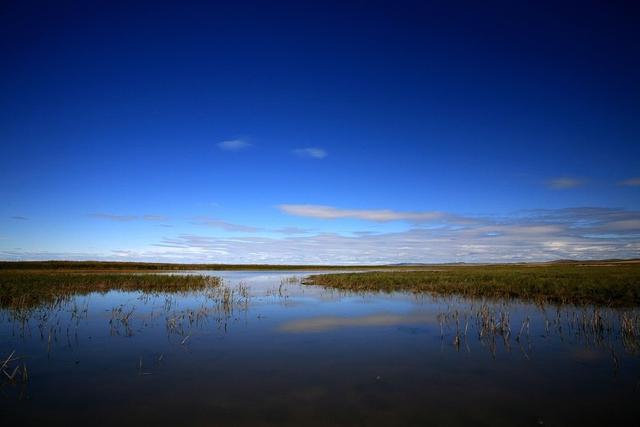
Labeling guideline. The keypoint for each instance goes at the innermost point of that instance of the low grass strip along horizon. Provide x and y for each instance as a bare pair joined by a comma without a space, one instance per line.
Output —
98,266
608,285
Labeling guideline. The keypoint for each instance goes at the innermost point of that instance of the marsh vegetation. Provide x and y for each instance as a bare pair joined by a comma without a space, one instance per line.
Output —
25,289
609,285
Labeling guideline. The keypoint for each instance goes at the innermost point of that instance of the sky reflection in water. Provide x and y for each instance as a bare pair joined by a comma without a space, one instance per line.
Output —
263,349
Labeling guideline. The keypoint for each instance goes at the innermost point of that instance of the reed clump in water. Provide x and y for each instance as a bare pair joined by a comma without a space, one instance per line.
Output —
611,329
610,285
12,371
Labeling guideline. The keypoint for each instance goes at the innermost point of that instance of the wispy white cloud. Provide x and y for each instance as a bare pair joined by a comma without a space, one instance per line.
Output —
379,215
150,217
311,152
535,235
227,226
113,217
234,145
540,235
564,183
363,233
23,255
623,225
127,218
292,230
631,182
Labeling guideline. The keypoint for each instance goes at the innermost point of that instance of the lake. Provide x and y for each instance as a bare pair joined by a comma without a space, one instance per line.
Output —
264,349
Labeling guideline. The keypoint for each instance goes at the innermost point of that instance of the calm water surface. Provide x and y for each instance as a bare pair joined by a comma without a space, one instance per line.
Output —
264,350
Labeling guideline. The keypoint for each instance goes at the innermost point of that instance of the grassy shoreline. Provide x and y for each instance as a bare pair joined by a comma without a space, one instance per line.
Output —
31,288
609,285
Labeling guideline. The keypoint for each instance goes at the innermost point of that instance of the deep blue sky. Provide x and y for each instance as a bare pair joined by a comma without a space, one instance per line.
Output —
116,120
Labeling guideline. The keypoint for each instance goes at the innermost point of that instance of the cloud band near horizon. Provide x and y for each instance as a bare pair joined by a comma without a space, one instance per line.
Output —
534,235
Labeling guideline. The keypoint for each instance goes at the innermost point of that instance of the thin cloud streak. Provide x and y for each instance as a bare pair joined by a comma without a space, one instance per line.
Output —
631,182
113,217
292,230
224,225
127,218
381,215
564,183
233,145
311,152
150,217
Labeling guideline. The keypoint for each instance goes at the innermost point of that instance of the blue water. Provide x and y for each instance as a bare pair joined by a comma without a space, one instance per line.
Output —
281,353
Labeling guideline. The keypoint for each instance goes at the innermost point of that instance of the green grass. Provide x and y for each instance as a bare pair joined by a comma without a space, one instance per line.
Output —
601,283
20,289
606,284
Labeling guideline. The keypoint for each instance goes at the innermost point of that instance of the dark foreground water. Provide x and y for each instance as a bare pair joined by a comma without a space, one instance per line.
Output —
264,350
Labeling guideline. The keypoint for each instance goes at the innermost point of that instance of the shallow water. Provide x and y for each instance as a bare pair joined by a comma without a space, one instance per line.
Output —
264,350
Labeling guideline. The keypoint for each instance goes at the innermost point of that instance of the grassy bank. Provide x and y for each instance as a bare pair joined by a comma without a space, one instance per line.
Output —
31,288
604,284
